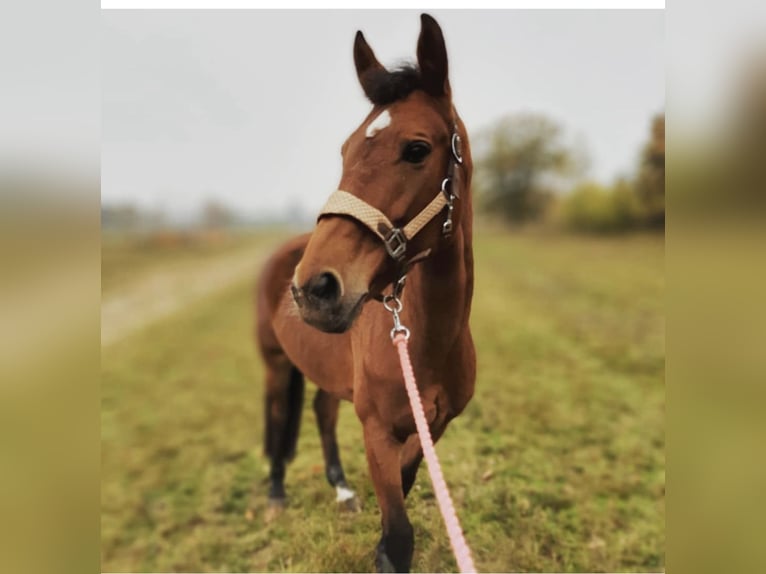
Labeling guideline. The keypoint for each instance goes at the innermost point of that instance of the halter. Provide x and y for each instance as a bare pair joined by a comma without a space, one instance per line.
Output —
395,238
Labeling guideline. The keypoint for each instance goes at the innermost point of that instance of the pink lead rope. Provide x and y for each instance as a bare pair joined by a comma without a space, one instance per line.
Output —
454,531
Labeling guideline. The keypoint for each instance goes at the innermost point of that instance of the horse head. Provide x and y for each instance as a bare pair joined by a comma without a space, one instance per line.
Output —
404,168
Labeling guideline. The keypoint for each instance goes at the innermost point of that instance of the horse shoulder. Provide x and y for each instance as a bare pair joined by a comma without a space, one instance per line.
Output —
460,376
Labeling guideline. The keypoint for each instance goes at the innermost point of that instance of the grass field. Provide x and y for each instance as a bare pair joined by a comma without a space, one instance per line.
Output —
556,465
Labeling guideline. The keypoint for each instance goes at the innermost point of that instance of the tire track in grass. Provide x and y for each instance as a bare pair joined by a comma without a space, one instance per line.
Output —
166,291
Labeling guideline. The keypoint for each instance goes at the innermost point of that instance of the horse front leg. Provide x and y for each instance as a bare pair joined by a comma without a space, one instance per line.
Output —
412,454
394,551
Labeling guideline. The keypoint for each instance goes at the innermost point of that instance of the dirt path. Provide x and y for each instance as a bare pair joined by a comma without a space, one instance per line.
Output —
167,290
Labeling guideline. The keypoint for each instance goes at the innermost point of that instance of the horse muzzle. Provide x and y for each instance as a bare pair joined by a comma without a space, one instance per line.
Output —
323,305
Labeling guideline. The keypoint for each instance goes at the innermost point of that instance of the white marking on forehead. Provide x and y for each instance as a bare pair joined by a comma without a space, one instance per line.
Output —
378,124
344,494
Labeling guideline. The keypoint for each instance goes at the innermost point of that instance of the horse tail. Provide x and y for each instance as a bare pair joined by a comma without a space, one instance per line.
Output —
295,391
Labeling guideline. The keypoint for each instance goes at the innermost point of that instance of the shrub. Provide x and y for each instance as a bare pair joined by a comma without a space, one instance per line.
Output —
594,208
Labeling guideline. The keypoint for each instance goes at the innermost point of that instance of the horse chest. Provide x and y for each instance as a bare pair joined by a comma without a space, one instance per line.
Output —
435,404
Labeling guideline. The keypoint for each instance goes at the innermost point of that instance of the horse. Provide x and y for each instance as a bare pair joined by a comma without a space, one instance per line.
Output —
403,209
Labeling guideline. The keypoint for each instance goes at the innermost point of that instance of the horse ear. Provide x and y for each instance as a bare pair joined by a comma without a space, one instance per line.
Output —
365,61
432,57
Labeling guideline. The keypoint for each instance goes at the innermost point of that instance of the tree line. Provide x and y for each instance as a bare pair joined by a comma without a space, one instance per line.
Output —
526,172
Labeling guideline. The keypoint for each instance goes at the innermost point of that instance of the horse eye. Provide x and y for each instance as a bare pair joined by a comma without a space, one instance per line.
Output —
416,152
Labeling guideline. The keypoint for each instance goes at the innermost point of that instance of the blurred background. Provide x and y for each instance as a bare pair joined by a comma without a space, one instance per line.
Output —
220,137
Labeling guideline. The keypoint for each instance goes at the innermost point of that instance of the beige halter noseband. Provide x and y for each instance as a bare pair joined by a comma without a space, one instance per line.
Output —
395,238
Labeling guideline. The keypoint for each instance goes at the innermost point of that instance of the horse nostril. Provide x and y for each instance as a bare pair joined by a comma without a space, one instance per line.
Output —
324,287
297,295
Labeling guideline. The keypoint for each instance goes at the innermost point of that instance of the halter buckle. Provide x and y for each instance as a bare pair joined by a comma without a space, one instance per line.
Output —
447,225
396,243
447,187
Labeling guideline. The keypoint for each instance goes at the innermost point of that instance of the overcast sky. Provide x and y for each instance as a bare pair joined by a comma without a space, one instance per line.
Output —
252,106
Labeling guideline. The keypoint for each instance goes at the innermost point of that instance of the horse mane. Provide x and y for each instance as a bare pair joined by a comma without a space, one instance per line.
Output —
383,87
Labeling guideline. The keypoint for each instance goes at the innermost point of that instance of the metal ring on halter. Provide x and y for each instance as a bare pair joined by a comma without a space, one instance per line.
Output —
394,298
401,329
455,144
447,181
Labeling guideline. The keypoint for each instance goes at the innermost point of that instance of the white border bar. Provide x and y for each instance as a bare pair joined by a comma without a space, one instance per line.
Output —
398,4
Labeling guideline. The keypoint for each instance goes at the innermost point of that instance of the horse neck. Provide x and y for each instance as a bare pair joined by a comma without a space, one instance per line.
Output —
439,294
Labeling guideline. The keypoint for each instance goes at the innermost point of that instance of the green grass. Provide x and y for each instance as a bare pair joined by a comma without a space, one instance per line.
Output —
556,465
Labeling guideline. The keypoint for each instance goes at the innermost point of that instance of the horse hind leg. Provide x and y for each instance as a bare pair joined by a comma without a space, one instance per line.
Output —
283,406
326,410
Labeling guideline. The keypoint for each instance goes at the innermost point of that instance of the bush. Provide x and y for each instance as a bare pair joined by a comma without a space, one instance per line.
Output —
594,208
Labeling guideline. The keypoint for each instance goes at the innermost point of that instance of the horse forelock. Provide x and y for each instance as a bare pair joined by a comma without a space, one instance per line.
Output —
383,87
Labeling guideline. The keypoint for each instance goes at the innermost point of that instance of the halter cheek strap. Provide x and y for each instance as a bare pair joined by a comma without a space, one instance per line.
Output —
395,238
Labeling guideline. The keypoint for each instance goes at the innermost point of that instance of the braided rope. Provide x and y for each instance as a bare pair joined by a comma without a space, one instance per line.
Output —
454,531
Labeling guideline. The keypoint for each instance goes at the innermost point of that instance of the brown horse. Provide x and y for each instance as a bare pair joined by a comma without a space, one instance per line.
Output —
405,208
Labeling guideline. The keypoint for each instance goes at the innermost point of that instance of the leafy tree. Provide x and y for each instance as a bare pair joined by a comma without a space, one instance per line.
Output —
650,181
520,161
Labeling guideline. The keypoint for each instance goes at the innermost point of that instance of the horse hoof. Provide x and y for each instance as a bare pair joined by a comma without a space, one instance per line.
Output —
384,564
276,507
347,499
351,505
